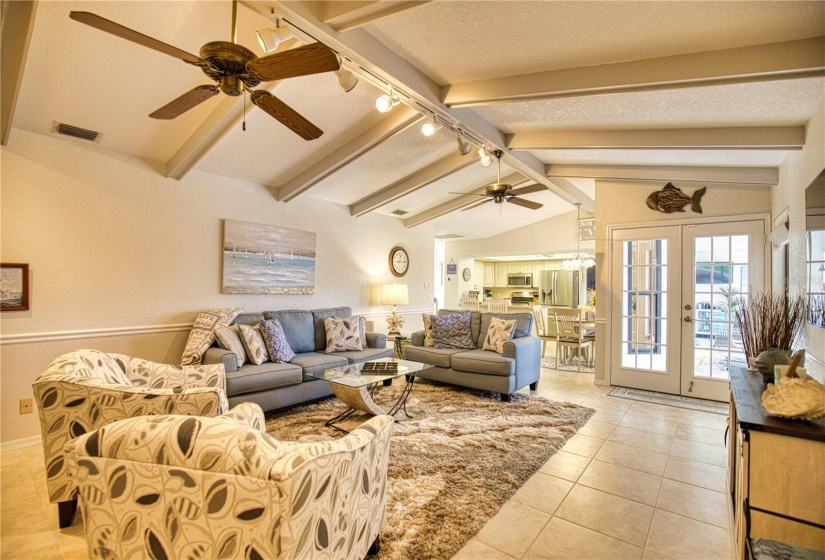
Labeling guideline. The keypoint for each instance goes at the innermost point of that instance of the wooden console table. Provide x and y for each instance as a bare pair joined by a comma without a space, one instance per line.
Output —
776,471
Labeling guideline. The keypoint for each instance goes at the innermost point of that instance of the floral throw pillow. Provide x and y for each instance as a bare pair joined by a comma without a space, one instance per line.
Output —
276,342
343,334
254,344
229,338
203,333
452,331
499,332
428,329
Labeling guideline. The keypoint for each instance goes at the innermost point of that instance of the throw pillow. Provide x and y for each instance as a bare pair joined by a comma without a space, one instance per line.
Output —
343,334
499,332
229,338
254,344
428,329
276,342
203,333
452,331
362,325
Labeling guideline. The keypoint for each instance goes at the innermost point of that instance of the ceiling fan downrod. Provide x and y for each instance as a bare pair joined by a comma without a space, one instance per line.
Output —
234,37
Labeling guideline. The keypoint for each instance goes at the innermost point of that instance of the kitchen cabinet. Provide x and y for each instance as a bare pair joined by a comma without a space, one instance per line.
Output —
501,275
478,275
520,267
774,471
538,266
489,275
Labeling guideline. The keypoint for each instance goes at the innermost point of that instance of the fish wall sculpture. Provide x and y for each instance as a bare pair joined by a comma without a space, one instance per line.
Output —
671,199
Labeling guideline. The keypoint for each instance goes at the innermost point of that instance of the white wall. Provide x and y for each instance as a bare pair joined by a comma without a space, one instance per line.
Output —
112,244
798,171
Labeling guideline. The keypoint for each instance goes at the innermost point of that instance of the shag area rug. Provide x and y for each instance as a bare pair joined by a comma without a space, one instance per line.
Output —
670,400
454,464
570,365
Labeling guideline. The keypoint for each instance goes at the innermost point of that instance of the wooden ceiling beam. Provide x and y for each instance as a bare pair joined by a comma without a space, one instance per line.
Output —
735,175
342,16
748,138
395,123
15,36
756,63
457,203
421,178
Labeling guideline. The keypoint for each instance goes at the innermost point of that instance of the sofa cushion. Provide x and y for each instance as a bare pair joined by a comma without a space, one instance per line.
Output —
500,331
253,378
248,319
428,329
315,361
298,328
475,320
253,343
524,322
202,334
453,331
358,356
484,361
229,338
343,334
275,340
319,332
436,356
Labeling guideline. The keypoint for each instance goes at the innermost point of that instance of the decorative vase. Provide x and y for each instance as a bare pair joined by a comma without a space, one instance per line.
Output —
769,358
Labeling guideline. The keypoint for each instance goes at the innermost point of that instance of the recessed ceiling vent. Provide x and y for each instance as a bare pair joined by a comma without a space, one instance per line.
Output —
399,212
76,132
448,236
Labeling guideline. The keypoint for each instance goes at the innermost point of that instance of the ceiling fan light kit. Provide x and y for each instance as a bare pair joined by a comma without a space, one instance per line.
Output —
499,192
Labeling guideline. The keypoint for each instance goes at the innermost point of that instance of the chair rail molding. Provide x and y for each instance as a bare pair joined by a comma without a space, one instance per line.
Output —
22,338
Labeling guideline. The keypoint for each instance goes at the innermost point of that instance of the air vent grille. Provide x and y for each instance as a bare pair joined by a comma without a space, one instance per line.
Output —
399,212
780,235
76,132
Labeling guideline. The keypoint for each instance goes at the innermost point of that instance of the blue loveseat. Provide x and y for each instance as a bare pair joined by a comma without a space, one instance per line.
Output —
274,386
518,366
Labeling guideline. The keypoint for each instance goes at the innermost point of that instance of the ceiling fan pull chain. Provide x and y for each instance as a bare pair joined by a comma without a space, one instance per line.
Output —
243,127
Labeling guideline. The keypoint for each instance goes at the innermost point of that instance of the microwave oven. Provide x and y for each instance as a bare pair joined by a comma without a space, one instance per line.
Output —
520,280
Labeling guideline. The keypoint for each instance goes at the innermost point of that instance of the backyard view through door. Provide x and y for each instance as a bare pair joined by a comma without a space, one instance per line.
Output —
675,289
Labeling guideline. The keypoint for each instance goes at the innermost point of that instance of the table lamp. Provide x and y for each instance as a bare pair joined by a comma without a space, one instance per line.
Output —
394,294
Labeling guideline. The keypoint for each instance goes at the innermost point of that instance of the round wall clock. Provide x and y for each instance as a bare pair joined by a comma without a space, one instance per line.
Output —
466,274
399,261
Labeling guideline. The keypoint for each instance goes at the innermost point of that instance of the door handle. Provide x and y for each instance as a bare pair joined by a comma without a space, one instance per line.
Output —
688,319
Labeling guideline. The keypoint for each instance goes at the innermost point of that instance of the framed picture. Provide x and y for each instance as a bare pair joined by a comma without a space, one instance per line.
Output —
587,229
262,259
14,287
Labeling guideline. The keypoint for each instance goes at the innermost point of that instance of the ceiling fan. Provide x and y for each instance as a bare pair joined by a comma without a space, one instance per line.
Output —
234,69
499,192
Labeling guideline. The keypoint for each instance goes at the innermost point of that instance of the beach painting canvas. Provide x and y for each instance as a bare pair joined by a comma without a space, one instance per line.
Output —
262,259
14,287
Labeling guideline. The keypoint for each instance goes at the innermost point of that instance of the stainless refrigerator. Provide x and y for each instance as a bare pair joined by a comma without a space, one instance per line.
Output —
559,288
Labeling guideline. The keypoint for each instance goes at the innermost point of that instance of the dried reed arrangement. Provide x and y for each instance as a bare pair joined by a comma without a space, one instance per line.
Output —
767,321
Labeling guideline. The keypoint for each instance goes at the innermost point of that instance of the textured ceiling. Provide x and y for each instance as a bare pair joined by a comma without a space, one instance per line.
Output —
456,41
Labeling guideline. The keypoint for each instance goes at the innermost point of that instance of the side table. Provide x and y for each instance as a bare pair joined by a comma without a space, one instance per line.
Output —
399,342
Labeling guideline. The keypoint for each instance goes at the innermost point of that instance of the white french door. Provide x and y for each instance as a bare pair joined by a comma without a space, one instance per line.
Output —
673,290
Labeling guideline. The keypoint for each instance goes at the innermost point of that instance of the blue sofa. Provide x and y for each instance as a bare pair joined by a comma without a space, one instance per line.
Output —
518,366
274,386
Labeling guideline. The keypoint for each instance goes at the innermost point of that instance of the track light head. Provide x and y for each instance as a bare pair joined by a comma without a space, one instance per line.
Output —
463,146
269,39
485,158
346,79
385,103
430,127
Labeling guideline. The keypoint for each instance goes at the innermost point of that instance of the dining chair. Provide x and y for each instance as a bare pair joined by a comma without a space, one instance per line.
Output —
498,305
570,334
470,303
543,331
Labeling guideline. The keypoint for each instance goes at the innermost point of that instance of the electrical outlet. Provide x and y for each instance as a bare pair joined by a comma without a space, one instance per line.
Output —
26,406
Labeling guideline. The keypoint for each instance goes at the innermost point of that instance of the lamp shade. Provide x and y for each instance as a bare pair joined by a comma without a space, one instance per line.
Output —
394,294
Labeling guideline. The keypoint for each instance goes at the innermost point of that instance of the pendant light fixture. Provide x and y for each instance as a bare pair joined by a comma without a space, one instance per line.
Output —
579,260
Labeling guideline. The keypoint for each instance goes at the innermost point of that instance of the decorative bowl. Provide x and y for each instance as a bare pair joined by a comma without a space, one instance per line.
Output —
769,358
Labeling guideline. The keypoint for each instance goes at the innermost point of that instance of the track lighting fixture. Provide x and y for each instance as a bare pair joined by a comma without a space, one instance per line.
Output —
431,127
346,79
385,103
463,146
269,39
486,158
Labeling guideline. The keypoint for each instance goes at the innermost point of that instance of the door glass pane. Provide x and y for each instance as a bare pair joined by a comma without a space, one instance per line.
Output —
721,283
644,295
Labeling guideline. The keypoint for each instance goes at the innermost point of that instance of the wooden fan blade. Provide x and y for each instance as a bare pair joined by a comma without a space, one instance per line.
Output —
131,35
525,203
528,189
286,115
309,59
465,193
477,204
185,102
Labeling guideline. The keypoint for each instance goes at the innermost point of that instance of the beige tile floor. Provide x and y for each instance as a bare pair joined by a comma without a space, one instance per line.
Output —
639,481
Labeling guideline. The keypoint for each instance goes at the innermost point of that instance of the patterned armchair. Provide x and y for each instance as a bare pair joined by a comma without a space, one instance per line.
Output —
83,390
178,487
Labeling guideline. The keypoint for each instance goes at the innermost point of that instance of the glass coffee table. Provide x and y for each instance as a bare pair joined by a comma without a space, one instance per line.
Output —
355,386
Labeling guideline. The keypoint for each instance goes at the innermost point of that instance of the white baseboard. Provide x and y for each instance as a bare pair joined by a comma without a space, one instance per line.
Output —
20,443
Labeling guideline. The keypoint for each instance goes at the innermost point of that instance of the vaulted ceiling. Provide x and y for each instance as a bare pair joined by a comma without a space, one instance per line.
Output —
570,91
